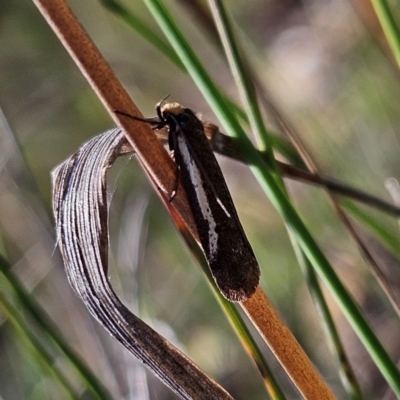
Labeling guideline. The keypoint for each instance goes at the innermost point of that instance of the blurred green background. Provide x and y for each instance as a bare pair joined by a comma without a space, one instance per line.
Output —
324,66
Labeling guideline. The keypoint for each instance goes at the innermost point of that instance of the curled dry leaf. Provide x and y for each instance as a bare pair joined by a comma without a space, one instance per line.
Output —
81,214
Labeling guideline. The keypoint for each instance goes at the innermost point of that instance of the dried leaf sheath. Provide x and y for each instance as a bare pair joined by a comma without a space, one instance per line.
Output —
81,214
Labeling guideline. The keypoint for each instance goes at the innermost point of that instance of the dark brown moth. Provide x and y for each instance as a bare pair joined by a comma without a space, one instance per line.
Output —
228,252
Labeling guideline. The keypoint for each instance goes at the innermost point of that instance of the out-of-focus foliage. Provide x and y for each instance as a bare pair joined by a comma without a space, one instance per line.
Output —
332,81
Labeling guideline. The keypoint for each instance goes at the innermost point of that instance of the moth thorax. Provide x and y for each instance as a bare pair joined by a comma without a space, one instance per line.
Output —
172,108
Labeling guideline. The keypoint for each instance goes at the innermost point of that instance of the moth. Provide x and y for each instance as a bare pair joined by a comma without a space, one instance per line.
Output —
227,250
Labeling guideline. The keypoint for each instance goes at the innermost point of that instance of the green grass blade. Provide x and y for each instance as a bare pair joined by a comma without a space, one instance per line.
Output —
389,26
386,238
32,308
245,86
278,197
240,74
24,335
143,30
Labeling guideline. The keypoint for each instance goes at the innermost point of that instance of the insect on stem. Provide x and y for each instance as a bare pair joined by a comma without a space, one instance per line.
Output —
227,250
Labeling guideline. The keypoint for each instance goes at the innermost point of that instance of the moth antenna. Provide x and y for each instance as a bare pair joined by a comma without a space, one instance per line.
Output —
156,124
158,107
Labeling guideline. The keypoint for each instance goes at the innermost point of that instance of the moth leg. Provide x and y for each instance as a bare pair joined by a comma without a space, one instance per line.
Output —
175,189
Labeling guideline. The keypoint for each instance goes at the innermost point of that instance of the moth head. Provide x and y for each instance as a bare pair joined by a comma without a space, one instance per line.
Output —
172,108
174,114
